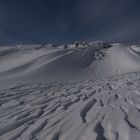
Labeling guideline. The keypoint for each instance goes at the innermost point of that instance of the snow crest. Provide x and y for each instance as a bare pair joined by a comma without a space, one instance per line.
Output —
81,91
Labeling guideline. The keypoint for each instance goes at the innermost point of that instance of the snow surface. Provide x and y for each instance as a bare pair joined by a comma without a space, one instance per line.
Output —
73,92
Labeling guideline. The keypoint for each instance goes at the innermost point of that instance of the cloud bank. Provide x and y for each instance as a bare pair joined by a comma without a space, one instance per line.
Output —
36,21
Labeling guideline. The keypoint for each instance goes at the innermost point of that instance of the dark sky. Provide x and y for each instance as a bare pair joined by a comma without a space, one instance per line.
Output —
40,21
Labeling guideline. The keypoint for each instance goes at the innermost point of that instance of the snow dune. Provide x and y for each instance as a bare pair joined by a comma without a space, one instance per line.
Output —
107,109
75,92
57,64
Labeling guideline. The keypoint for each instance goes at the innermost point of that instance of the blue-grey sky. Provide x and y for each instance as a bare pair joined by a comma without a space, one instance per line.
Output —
46,21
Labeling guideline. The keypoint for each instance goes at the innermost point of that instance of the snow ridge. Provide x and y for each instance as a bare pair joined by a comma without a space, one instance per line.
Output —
80,91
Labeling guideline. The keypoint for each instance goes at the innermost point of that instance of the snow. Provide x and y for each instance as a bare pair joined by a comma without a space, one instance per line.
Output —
80,92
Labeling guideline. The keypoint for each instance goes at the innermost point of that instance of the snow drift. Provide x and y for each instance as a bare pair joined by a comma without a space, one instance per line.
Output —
67,63
49,102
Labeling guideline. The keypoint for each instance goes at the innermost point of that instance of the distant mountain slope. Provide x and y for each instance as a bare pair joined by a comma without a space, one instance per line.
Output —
78,61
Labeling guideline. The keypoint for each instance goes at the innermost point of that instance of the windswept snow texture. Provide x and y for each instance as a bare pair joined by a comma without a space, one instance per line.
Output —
106,109
74,92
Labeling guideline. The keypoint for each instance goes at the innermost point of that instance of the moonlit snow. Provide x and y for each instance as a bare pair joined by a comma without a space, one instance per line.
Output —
81,91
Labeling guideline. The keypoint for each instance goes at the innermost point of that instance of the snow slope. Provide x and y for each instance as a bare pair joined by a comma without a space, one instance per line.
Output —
107,109
57,64
75,92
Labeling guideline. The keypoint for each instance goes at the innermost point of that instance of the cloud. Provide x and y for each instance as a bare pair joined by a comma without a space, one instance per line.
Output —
69,20
120,32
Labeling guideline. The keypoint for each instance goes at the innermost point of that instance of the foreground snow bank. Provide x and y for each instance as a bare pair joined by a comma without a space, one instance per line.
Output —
70,92
91,110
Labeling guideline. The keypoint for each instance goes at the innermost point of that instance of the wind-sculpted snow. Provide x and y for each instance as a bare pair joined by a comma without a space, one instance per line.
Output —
103,109
81,91
56,64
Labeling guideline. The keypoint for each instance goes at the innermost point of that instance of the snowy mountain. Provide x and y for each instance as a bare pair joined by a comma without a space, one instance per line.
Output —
69,63
80,91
